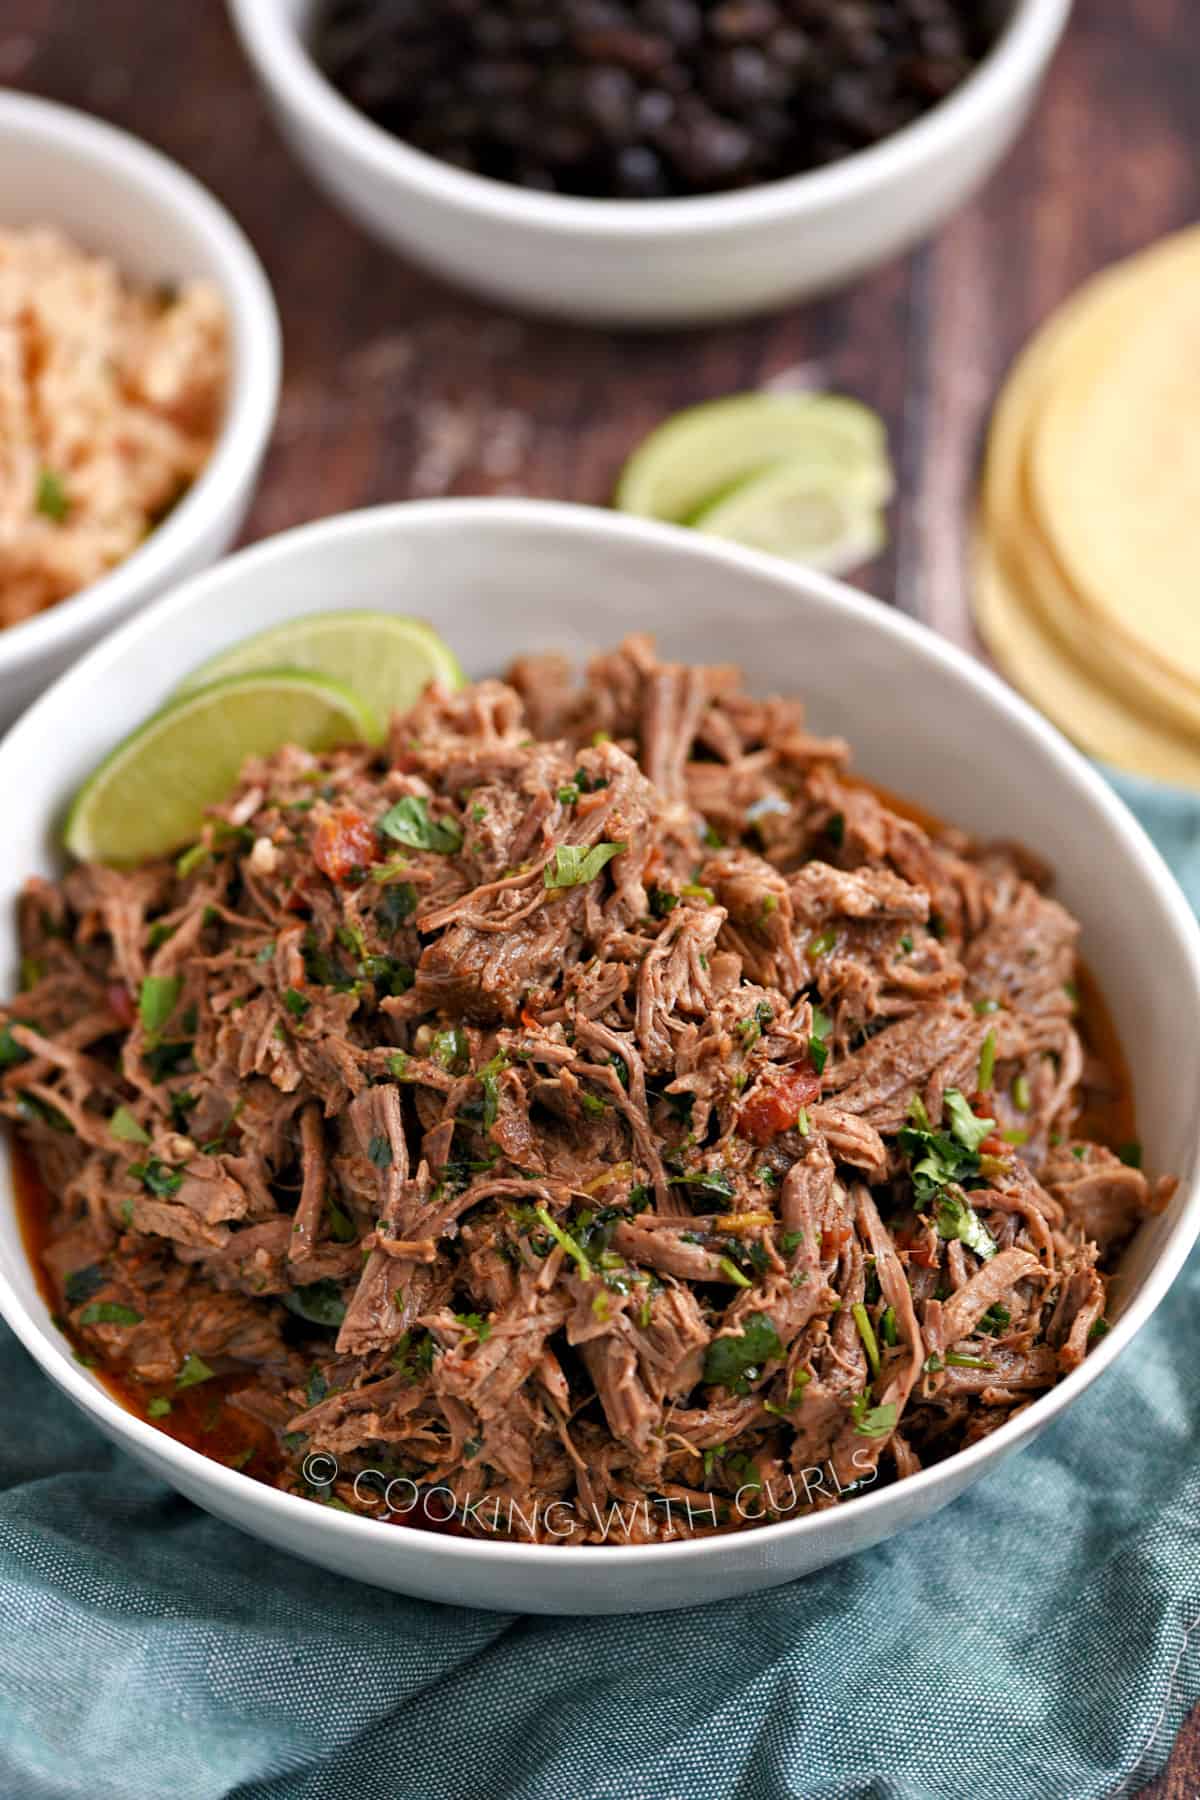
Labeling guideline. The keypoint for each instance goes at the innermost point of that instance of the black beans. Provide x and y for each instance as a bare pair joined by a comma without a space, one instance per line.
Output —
647,99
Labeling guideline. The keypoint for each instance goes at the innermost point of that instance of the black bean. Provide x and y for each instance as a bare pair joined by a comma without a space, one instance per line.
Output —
648,99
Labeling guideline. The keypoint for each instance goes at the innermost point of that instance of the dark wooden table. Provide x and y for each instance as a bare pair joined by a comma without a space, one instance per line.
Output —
395,386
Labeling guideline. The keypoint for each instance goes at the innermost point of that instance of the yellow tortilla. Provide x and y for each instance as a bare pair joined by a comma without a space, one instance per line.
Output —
1114,467
1036,663
1119,663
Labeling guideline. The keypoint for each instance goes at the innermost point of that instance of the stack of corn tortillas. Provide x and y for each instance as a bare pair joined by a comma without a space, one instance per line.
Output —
1087,565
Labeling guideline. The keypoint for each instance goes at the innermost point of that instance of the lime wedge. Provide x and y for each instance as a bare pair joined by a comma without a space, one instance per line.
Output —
149,795
804,511
387,660
697,455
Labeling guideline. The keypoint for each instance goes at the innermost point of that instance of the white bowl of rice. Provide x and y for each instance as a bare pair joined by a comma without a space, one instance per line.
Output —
139,379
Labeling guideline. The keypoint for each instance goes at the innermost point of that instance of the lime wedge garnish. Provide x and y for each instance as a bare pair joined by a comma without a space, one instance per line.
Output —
388,661
804,511
695,456
149,795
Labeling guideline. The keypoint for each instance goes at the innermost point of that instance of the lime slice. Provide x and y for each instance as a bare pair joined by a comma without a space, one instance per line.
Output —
388,661
149,796
803,511
696,455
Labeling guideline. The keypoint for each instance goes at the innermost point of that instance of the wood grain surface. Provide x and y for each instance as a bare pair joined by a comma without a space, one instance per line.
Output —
396,386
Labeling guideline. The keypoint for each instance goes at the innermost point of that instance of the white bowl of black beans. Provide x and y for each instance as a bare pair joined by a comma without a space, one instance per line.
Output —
650,162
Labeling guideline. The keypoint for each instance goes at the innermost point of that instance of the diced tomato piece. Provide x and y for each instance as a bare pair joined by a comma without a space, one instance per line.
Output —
344,841
120,1001
915,1240
773,1104
834,1238
530,1020
994,1145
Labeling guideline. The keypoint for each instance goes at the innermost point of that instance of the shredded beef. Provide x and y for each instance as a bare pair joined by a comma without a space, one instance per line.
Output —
596,1104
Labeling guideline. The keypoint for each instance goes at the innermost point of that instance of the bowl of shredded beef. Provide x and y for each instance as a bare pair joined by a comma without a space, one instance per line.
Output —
601,1126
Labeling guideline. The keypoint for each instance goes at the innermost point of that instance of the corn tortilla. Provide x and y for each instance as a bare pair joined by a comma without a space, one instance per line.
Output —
1037,664
1118,662
1114,467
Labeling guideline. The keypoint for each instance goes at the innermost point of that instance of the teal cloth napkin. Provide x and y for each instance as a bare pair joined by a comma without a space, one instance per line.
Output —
1029,1643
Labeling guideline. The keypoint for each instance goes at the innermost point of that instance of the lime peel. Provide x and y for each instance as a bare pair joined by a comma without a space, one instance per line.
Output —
149,796
693,458
388,659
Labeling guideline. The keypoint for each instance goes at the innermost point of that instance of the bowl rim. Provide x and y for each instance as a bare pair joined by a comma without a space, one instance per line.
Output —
255,370
247,1496
273,45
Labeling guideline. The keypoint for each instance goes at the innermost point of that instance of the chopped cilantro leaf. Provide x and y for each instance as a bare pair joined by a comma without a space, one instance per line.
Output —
873,1421
52,499
573,865
192,1371
81,1284
123,1125
157,1000
733,1362
450,1050
397,903
379,1151
109,1312
705,1181
955,1218
158,1177
408,822
965,1128
320,1303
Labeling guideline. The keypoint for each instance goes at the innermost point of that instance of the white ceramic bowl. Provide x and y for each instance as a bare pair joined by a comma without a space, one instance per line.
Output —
114,195
499,576
651,262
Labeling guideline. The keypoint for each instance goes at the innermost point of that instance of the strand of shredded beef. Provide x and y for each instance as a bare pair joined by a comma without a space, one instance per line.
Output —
545,1116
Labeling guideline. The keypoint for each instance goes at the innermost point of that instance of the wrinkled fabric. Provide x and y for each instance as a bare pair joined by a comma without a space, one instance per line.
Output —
1031,1642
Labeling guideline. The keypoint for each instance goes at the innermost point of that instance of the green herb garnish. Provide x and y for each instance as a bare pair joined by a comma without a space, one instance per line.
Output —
866,1332
109,1312
408,822
573,865
564,1239
955,1218
52,500
965,1128
157,1176
123,1125
873,1421
320,1303
192,1371
379,1151
450,1050
81,1284
706,1181
818,1048
733,1362
157,1000
397,903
